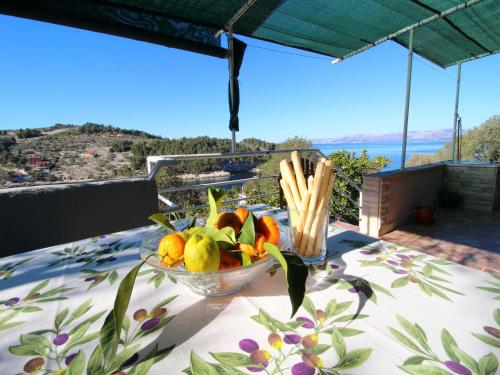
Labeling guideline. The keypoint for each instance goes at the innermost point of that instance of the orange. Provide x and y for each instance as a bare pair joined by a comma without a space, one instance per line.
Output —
171,246
242,213
247,249
260,239
268,227
171,262
228,219
228,260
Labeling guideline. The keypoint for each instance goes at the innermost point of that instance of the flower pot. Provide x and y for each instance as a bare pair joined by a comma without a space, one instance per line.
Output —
424,216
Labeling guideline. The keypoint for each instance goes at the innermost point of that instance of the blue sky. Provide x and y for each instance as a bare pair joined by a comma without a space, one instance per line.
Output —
54,74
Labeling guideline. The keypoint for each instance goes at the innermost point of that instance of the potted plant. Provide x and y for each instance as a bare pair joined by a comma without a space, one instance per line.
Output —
424,215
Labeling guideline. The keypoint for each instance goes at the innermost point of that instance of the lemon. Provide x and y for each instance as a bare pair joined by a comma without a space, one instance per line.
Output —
193,230
201,254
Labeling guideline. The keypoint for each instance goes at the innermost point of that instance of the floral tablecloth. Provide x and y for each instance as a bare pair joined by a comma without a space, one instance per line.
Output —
373,308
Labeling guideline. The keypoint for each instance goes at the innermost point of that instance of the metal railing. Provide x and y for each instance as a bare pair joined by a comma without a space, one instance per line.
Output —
156,163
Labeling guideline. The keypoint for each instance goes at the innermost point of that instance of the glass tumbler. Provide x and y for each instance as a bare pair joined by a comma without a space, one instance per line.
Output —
308,232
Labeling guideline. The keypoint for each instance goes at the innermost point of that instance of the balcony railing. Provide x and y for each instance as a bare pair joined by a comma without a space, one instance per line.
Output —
156,163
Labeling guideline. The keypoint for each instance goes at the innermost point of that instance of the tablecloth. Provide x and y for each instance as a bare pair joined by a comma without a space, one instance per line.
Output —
372,308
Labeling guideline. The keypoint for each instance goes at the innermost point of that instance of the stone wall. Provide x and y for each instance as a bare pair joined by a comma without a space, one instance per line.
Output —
479,184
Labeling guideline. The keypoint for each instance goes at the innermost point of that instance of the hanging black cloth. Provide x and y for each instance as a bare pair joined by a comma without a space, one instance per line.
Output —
234,102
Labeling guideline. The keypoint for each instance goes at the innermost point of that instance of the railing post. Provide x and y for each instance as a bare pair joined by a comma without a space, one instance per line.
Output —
407,101
230,60
455,115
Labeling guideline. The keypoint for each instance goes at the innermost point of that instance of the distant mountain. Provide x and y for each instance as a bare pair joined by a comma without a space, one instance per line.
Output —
442,135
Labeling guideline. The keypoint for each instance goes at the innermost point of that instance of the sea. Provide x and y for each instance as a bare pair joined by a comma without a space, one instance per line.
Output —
391,150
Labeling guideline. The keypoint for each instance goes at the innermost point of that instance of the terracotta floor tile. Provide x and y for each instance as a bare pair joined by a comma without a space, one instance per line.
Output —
465,237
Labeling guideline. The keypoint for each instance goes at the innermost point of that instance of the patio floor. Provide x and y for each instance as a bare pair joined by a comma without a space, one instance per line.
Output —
470,238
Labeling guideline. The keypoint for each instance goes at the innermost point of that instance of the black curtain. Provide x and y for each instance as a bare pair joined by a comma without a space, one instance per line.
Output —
234,102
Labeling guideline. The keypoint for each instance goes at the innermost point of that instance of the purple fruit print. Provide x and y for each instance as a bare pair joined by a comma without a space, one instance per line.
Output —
150,324
60,339
291,339
248,345
302,369
457,368
307,323
12,301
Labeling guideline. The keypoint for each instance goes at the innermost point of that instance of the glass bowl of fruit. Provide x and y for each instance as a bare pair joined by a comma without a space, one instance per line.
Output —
221,257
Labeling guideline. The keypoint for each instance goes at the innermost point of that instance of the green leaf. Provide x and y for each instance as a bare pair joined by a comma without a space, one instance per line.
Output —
80,341
60,317
77,364
215,198
247,233
448,343
330,308
348,318
29,349
89,320
413,330
354,358
6,326
427,270
348,332
165,302
120,358
112,277
111,329
496,316
341,307
308,305
378,288
437,292
233,359
319,349
38,288
96,361
160,219
80,310
414,360
400,281
200,367
295,271
424,370
438,269
153,357
488,340
466,360
425,288
31,339
30,309
406,341
338,343
245,259
488,365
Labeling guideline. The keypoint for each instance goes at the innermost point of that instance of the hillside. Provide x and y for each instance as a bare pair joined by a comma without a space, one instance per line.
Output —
442,135
94,151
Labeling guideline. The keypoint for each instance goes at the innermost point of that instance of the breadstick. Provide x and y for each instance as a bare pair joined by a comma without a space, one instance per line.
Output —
302,220
299,173
318,182
294,214
317,227
310,181
287,174
319,241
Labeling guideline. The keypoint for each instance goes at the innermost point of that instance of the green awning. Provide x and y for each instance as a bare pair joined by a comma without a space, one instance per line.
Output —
336,28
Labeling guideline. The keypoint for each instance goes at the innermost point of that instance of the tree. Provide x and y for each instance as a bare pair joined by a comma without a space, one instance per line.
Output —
480,143
355,167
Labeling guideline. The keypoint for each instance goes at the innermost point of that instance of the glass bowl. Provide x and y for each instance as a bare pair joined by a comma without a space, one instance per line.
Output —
218,283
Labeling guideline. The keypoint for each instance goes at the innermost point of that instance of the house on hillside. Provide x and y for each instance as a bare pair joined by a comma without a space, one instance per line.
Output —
37,162
88,154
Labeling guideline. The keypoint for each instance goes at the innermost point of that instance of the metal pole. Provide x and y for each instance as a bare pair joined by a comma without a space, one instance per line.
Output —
230,59
407,102
455,115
